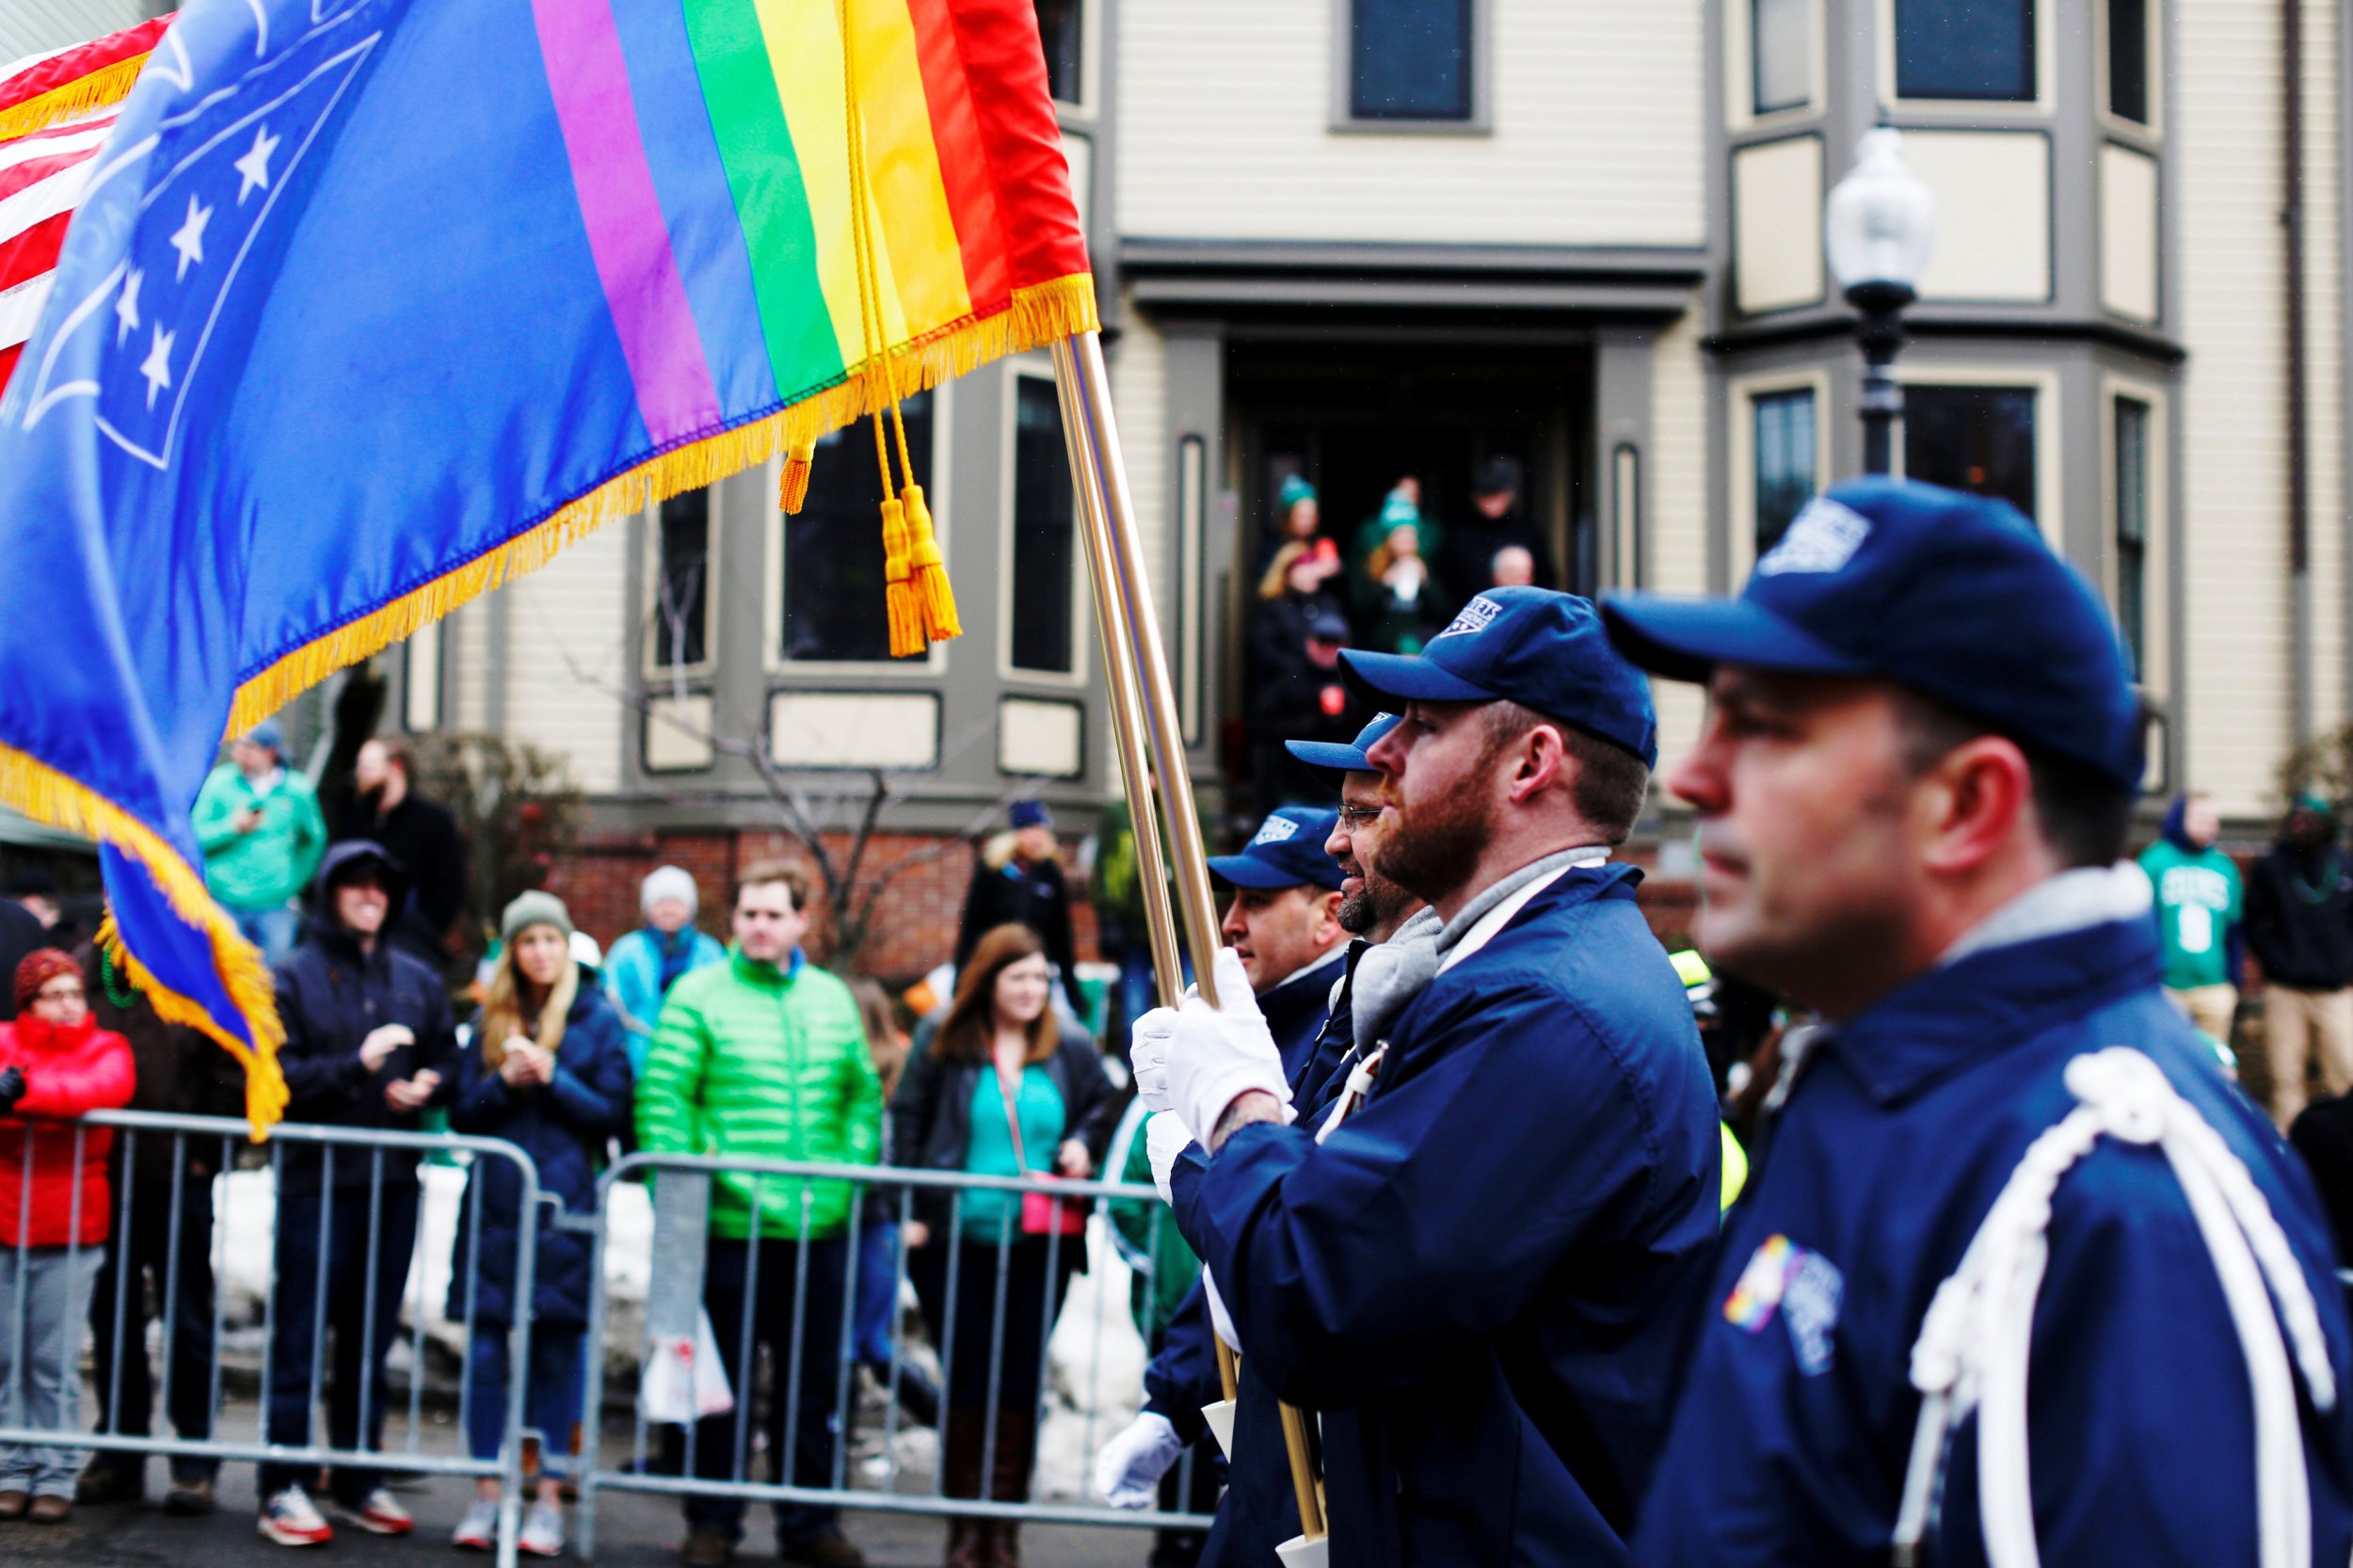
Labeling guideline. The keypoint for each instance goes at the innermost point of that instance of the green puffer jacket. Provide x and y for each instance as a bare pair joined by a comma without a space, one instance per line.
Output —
751,1061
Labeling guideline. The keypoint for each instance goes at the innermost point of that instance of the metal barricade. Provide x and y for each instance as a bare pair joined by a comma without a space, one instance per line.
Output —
677,1458
46,1290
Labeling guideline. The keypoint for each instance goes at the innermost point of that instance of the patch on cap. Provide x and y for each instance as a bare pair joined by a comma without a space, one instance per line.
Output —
1276,831
1476,616
1822,537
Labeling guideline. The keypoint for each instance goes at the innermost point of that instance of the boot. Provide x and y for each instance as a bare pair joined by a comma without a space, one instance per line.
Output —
1017,1452
969,1541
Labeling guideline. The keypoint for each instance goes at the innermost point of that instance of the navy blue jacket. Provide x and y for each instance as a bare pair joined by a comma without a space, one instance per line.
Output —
1474,1274
1790,1443
1294,1013
330,996
563,1126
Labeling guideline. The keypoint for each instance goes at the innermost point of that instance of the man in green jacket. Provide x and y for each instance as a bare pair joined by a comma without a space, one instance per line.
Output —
764,1057
2200,904
258,823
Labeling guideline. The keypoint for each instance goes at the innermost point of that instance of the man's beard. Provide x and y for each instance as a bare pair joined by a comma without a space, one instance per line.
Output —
1433,849
1371,905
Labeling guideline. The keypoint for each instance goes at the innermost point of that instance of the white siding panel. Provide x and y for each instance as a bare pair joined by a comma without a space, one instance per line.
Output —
1139,373
2227,147
568,624
1224,130
2324,343
1677,469
467,645
39,27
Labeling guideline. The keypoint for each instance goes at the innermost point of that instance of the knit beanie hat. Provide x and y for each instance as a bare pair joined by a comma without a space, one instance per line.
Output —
40,967
669,882
535,908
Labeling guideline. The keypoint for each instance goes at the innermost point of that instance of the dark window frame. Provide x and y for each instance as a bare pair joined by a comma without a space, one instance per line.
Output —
2132,524
1031,565
1765,534
702,636
1347,113
1070,64
845,509
2138,53
1944,90
1759,107
1924,420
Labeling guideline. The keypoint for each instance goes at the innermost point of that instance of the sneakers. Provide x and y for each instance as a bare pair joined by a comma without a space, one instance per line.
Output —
378,1513
290,1519
543,1530
478,1531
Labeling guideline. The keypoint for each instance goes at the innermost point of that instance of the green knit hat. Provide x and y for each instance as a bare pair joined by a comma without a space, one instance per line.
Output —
535,908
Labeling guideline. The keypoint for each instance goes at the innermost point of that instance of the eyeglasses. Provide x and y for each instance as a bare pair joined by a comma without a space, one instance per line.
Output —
1354,816
60,993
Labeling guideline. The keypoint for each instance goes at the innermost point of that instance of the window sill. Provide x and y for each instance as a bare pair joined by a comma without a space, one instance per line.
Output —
1478,127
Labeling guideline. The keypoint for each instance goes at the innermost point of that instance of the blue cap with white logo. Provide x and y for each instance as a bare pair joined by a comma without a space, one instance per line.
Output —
1286,852
1333,757
1540,648
1955,597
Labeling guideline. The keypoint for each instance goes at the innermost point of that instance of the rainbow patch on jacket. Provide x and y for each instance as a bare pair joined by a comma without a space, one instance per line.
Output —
1758,1292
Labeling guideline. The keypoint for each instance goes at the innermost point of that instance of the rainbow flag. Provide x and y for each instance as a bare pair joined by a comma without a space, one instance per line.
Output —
372,304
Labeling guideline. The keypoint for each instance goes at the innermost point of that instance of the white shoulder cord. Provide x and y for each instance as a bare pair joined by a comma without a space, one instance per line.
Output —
1359,1085
1974,1346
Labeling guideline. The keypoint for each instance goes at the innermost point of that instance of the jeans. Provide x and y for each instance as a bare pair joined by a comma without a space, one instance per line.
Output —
39,1384
552,1392
877,1293
800,1431
271,930
323,1289
185,1289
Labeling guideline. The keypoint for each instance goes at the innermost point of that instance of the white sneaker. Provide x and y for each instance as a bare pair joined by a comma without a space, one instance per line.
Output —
290,1519
543,1530
478,1531
379,1513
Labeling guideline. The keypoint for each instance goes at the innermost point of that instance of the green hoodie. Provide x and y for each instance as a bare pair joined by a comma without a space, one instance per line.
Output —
757,1063
2199,901
265,867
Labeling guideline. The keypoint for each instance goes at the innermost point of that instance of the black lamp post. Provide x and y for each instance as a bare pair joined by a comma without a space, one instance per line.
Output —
1878,228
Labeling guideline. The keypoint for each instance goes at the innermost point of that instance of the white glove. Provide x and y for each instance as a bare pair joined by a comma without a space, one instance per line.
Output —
1149,1039
1130,1466
1222,1052
1220,1319
1165,1137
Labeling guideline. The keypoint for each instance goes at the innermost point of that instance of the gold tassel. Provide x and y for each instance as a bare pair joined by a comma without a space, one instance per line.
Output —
934,597
906,626
794,494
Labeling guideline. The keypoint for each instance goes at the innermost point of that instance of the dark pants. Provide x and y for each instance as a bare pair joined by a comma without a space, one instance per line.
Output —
1033,1298
801,1430
184,1288
323,1288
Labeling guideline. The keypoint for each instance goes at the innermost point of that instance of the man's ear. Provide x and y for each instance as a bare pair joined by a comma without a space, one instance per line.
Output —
1974,798
1537,755
1328,927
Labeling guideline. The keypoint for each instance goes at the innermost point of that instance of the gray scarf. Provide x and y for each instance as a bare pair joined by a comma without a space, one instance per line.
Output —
1390,974
1512,882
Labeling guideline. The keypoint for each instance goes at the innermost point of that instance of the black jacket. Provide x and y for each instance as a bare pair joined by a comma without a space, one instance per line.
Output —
931,1115
330,996
2323,1134
1008,892
2300,917
424,840
21,933
1466,558
180,1072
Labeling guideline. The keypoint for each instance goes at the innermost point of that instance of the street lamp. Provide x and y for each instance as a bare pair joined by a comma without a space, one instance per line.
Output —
1878,229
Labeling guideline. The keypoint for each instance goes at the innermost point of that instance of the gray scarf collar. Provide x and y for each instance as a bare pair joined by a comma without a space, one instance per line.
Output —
1390,974
1512,882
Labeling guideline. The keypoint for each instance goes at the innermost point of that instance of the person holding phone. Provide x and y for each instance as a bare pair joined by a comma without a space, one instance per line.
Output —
369,1043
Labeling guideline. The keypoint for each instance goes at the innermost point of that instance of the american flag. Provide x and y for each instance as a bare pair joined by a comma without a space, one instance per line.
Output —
56,112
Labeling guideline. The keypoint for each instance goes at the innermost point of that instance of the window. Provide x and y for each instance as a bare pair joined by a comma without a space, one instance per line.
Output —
420,679
1785,461
2128,60
833,549
1976,438
679,633
1408,59
1045,544
2132,530
1781,54
1061,26
1980,50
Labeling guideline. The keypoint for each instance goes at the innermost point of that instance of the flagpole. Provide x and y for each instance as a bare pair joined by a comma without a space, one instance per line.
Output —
1144,703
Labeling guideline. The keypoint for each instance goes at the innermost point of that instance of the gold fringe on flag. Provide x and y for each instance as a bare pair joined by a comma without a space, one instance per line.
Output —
1038,315
906,624
793,494
49,796
933,597
108,84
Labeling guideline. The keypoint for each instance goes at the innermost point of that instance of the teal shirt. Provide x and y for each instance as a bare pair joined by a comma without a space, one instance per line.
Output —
2199,898
990,1151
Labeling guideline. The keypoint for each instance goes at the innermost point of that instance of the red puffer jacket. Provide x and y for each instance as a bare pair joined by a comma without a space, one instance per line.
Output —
67,1072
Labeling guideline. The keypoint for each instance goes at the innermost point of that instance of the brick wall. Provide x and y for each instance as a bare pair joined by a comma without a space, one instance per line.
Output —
915,920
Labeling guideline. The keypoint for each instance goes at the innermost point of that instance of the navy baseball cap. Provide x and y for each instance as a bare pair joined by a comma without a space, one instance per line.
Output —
1955,597
1286,852
1336,759
1540,648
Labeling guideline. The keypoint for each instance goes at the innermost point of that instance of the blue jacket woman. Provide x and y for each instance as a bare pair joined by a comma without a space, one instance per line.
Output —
549,1072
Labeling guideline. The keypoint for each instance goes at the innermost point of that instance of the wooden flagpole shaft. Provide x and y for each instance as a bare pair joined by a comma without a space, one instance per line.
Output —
1143,700
1126,706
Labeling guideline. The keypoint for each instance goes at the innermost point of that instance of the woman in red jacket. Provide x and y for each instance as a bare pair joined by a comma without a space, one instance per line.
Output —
53,1062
